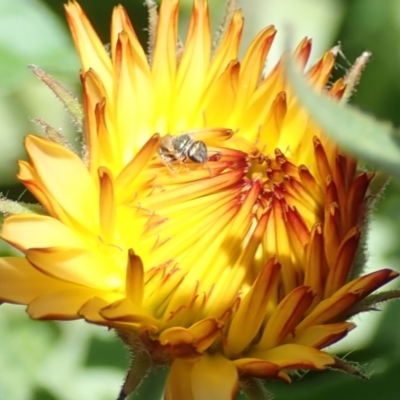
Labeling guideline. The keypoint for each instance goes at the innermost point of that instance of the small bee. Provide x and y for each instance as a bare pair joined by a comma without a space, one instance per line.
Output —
181,148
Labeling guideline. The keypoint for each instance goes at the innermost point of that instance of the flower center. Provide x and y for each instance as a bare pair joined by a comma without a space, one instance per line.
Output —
293,186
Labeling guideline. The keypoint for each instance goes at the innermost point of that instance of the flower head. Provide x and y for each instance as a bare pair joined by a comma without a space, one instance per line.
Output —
208,220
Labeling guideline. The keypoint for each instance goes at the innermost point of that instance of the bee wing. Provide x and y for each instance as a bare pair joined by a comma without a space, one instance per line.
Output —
211,135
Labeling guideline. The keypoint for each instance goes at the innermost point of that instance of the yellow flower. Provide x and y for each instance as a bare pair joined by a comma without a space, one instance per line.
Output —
240,266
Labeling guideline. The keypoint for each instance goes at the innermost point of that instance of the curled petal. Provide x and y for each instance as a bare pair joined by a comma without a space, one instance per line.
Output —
92,308
124,310
76,197
192,341
257,368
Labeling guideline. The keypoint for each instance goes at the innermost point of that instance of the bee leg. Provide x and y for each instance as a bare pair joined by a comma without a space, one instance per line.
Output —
182,162
209,169
171,168
167,160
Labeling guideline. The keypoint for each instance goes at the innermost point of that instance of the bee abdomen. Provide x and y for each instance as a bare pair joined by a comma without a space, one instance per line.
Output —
197,152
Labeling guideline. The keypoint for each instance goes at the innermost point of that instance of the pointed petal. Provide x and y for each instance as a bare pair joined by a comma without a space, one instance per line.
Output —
228,50
216,113
165,63
295,356
251,311
344,260
193,67
126,183
368,283
91,50
133,99
328,309
285,317
120,22
320,336
253,63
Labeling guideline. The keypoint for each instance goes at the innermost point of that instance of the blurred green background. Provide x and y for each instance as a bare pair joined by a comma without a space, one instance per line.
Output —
74,360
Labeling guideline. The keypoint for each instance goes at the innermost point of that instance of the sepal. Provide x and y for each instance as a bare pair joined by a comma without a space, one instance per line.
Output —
11,207
71,103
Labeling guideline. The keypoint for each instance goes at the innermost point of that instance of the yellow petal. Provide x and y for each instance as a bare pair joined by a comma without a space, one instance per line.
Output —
192,68
215,113
252,309
91,50
253,64
285,317
66,263
17,231
214,377
205,332
124,310
197,338
368,283
328,309
120,22
133,102
134,285
295,356
320,336
92,308
125,183
179,385
256,368
21,283
61,305
165,63
228,49
77,195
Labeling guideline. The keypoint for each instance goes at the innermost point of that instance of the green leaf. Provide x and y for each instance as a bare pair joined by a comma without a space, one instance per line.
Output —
372,141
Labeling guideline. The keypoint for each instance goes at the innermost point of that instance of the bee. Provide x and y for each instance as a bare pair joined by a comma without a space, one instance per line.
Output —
181,148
